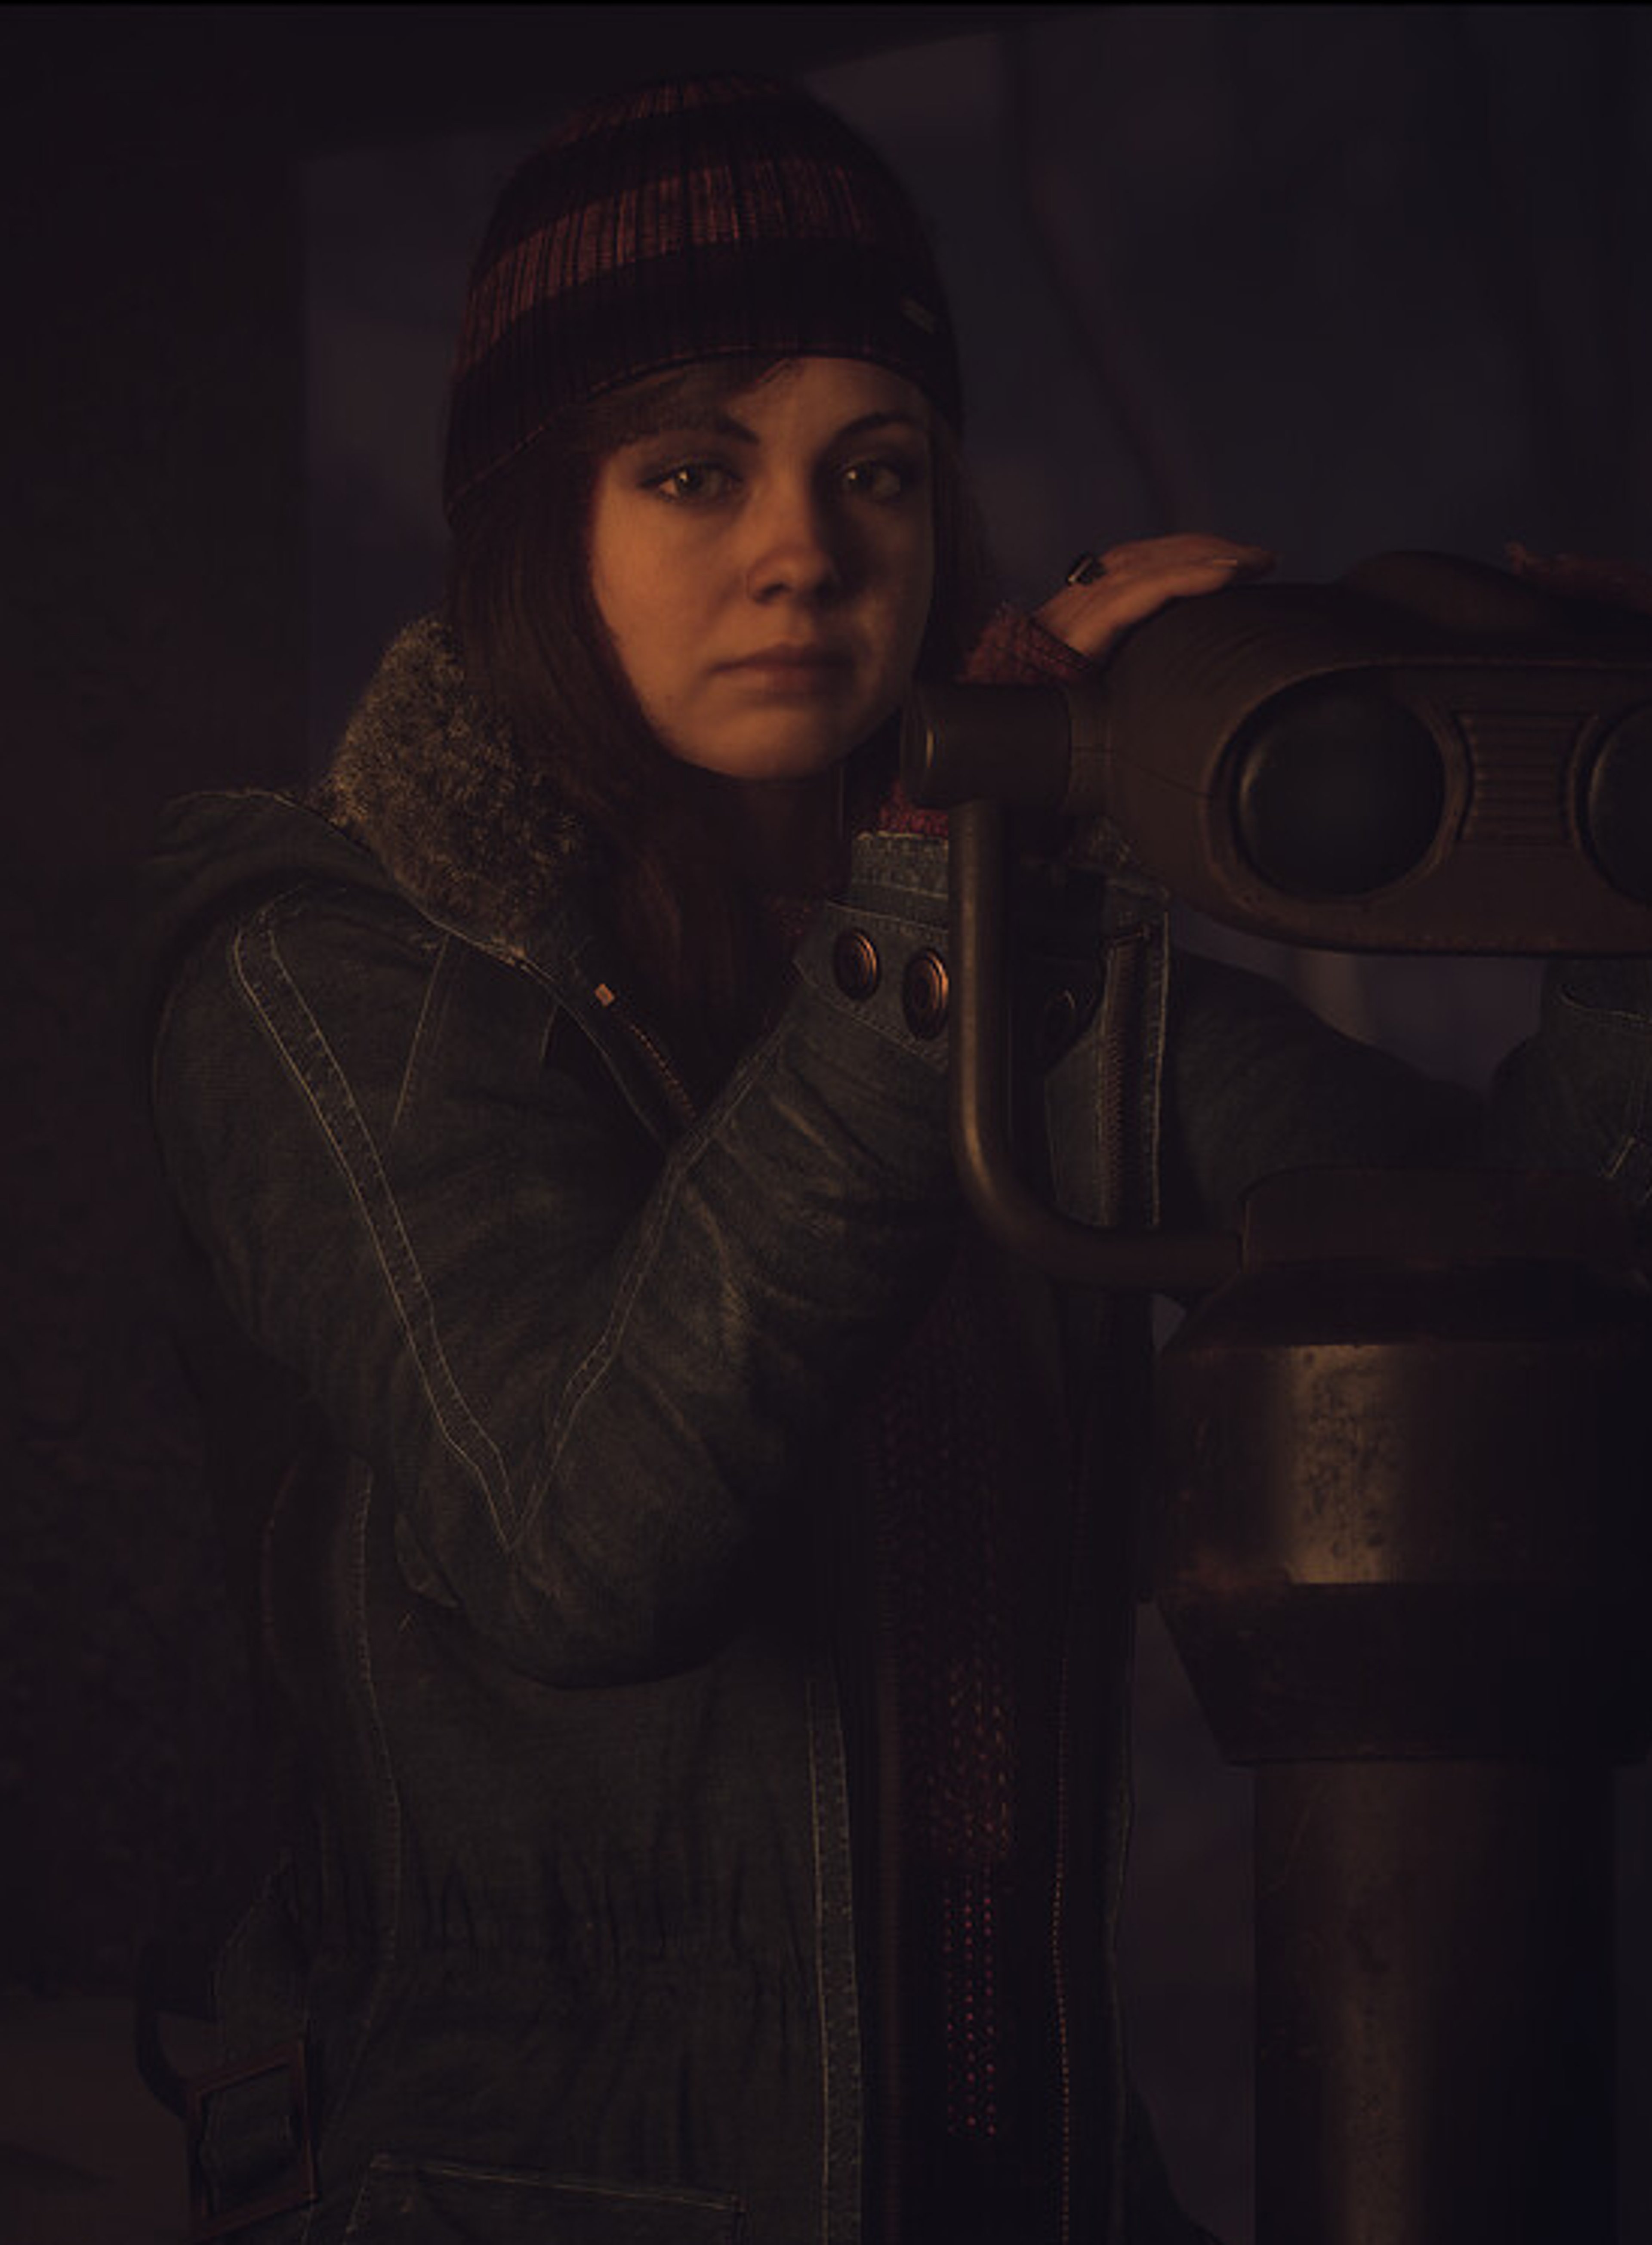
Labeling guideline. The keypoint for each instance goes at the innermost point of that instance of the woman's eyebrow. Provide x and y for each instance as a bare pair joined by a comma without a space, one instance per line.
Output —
868,422
694,424
724,424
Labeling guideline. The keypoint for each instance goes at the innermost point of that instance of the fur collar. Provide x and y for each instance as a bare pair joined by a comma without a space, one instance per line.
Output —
431,781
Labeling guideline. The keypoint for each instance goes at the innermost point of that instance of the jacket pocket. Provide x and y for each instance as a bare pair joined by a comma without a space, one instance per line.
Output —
438,2202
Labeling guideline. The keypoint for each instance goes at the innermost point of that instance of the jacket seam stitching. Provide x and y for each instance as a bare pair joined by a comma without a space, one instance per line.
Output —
351,1119
390,1941
598,1357
415,1047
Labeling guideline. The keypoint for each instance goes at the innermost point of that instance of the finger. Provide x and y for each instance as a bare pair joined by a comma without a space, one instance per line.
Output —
1624,584
1179,548
1092,617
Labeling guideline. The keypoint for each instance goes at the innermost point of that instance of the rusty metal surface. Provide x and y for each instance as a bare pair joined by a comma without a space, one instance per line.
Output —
1434,2064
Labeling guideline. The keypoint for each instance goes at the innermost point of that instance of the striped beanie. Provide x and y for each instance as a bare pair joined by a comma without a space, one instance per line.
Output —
702,218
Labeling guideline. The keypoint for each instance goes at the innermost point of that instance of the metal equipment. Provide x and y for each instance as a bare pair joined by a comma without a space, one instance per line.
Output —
1405,1435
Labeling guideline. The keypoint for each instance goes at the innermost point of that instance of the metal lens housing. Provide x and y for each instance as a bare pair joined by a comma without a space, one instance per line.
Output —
1617,804
1337,790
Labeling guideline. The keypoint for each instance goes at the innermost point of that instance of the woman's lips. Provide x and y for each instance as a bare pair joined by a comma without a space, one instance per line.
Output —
790,658
792,669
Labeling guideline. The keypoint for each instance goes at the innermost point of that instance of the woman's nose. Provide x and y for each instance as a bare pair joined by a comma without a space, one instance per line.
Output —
796,548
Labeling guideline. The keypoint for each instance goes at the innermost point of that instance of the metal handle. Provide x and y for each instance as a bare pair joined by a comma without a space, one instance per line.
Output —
1082,1253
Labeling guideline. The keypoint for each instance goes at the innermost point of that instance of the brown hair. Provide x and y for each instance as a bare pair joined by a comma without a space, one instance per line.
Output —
534,648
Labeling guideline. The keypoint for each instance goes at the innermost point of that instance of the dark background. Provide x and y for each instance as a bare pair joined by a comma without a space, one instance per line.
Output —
1332,280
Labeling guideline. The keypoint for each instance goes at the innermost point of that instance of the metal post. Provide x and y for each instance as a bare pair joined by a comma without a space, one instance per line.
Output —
1406,1565
1434,2004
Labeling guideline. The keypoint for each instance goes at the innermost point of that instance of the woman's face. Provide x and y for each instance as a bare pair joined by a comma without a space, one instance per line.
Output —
765,571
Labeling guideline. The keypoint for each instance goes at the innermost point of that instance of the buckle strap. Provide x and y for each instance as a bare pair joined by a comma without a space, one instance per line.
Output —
250,2152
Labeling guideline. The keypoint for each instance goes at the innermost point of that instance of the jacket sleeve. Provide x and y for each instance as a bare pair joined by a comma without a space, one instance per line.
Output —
1256,1083
1578,1095
597,1380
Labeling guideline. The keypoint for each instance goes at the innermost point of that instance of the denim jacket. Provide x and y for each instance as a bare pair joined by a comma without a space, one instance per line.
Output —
576,1941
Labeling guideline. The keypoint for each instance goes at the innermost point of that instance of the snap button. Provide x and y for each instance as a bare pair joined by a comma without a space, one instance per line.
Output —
924,994
856,964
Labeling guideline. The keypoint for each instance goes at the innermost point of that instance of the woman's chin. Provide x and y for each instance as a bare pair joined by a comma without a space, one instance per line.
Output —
780,750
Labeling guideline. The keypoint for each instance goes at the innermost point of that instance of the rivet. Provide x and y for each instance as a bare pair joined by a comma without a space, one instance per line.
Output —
924,990
856,964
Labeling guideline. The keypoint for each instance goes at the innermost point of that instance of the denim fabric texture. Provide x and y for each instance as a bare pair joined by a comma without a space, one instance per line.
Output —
548,1583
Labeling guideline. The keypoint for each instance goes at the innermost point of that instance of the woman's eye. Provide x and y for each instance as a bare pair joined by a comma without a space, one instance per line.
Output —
882,479
692,479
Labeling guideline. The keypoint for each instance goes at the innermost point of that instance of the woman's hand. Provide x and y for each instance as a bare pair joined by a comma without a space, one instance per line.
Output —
1615,584
1131,582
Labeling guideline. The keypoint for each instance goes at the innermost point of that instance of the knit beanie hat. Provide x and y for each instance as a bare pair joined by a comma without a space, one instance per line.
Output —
702,218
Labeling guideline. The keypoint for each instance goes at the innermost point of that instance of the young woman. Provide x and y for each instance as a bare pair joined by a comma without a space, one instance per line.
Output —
701,1568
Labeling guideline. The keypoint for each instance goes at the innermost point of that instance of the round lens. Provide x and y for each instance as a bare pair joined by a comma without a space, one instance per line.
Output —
1339,791
1617,805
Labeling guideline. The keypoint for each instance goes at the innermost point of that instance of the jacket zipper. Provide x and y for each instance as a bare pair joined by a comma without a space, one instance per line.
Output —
678,1095
1121,1002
